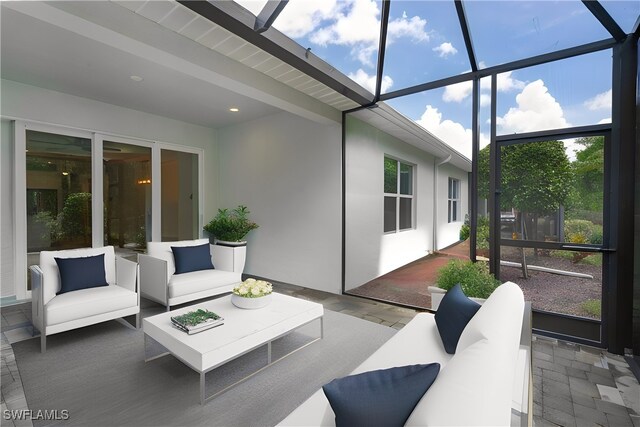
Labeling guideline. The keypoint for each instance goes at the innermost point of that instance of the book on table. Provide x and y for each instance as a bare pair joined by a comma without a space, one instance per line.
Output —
197,321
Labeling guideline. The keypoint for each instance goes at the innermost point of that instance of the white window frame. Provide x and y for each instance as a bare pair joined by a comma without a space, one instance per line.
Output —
453,203
399,196
97,224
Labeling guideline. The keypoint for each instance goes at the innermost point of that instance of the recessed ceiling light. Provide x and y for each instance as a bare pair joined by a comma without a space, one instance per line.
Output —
65,173
137,78
234,109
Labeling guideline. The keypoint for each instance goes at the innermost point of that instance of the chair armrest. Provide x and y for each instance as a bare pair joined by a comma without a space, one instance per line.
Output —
37,299
127,274
153,277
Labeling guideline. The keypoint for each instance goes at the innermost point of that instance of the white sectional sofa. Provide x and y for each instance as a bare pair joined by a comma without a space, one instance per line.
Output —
159,283
475,386
53,313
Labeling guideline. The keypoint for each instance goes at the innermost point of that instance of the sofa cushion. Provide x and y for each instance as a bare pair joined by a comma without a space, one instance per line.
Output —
88,302
494,320
49,267
192,258
197,281
81,273
384,397
454,312
162,250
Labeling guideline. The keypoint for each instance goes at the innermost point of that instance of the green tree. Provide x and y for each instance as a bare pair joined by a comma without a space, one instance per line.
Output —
537,178
589,175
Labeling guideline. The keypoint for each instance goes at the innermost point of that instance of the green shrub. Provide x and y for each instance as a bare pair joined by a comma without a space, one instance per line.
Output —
231,225
595,260
582,231
592,307
475,279
482,240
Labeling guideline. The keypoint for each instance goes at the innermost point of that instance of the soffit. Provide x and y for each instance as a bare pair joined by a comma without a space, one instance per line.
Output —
187,23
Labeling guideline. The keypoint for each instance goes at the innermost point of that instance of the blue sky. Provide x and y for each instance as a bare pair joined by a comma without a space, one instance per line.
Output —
424,43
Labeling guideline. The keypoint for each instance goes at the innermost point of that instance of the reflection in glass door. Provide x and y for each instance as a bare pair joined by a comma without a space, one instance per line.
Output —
58,186
179,196
127,196
553,231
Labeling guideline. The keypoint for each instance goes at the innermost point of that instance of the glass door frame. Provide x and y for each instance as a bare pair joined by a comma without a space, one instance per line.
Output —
558,325
20,128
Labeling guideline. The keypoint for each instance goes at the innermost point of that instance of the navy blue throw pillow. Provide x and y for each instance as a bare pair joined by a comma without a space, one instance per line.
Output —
379,398
81,273
192,258
452,317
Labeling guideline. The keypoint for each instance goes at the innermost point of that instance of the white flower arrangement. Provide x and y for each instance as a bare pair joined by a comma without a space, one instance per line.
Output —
252,288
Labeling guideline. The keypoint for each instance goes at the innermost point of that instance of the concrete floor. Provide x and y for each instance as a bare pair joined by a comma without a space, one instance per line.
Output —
573,385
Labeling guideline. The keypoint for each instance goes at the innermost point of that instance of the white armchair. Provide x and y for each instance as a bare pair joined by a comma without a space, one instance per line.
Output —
158,281
53,313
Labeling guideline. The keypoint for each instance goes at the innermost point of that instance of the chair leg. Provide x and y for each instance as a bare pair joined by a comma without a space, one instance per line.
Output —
43,342
168,307
138,321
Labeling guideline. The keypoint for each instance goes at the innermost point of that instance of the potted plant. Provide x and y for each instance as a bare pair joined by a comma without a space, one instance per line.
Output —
474,278
229,227
252,294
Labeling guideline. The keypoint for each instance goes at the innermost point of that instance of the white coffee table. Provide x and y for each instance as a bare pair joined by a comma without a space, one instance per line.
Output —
242,332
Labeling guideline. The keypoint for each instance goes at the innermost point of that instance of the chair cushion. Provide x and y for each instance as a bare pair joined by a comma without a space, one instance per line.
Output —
88,302
454,312
198,281
51,276
384,397
162,250
81,273
192,258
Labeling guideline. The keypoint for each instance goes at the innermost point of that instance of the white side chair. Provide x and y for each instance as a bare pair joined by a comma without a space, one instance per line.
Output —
53,313
158,281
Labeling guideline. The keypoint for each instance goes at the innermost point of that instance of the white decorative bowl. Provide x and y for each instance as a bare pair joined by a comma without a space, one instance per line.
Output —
250,303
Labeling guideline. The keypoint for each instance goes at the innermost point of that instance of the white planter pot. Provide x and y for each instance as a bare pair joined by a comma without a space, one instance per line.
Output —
438,293
250,303
231,244
229,258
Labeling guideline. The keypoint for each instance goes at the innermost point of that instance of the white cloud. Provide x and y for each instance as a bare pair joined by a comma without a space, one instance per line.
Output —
369,82
457,92
507,83
299,18
452,133
460,91
599,102
605,120
445,49
352,23
537,110
413,28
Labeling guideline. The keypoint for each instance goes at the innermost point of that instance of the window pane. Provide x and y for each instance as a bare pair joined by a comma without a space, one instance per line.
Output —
454,211
450,194
624,12
390,175
405,213
179,195
449,211
406,179
127,195
456,186
389,214
58,193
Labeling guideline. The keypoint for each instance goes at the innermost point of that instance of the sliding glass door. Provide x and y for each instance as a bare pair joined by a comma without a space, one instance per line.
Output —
77,189
58,193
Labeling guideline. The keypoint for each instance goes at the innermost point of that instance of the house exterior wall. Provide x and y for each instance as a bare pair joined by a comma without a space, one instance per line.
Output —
42,105
449,233
369,251
286,170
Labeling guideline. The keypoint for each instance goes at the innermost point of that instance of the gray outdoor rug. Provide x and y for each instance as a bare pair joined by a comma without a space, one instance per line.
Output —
99,375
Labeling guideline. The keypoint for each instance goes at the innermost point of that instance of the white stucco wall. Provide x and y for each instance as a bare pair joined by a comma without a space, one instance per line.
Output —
449,233
369,251
286,170
42,105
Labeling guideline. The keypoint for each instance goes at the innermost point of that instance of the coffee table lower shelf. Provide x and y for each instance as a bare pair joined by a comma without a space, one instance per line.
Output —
203,397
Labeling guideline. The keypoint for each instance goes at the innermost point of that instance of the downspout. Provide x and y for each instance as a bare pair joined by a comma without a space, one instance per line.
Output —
435,199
